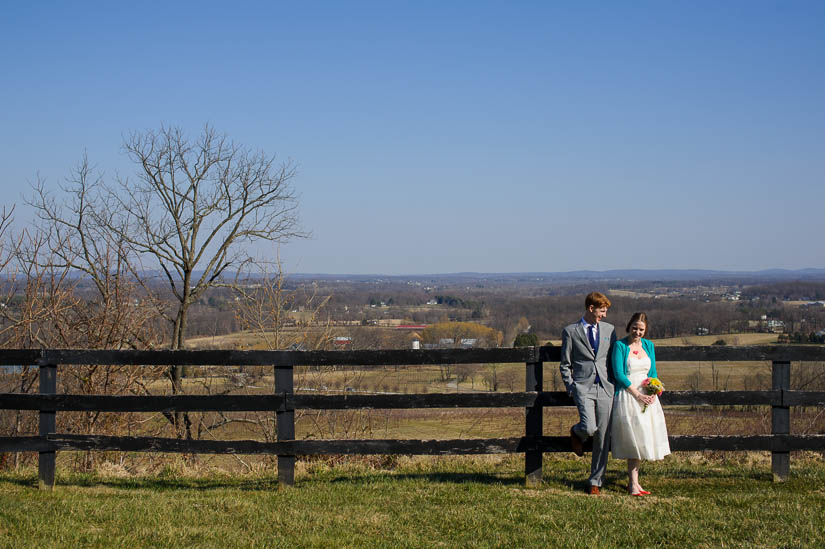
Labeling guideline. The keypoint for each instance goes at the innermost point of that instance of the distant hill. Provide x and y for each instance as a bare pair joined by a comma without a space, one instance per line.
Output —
585,275
563,278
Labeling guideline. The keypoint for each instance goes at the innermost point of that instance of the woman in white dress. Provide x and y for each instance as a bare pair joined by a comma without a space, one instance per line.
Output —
638,428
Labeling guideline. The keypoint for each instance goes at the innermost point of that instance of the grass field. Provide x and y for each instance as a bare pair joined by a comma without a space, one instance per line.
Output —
698,500
730,339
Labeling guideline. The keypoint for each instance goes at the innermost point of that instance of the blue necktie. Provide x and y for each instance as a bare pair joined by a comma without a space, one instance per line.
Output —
591,335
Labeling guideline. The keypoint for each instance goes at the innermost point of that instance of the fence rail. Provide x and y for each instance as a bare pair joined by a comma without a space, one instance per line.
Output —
284,401
721,353
262,403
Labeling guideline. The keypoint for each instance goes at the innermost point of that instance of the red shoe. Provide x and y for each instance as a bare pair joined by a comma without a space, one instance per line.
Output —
644,493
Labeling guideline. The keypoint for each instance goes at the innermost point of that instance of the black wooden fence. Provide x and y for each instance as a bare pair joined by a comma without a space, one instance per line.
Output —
284,401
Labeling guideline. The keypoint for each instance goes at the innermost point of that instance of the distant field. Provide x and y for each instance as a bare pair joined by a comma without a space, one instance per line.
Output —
236,340
629,293
249,340
252,340
730,339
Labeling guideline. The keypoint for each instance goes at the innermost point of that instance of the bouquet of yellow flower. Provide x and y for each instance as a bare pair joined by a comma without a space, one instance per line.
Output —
652,386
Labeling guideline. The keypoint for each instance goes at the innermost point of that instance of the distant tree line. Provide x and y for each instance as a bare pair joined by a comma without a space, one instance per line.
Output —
787,291
510,311
797,337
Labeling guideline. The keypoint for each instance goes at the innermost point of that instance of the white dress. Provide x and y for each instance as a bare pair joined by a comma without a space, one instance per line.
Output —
635,434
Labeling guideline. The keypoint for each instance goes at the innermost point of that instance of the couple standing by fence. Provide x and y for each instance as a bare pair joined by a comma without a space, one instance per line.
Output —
606,378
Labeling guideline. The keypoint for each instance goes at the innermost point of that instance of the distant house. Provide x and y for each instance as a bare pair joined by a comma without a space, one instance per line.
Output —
776,326
766,324
449,343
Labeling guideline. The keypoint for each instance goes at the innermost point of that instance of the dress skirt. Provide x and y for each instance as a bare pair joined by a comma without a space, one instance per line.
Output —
636,434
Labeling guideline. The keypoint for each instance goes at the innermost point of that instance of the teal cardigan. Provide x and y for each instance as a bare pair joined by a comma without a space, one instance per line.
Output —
619,362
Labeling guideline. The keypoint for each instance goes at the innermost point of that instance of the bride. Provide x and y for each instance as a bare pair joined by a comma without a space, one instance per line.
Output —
638,426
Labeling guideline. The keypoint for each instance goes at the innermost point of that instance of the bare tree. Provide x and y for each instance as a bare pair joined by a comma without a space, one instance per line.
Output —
190,211
46,305
117,313
194,203
265,308
277,317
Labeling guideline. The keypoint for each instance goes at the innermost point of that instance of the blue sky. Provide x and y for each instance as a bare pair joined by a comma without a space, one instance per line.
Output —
436,137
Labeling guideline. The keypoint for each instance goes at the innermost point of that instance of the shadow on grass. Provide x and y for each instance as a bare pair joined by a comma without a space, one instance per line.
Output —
267,484
570,476
440,477
566,478
716,474
153,483
26,482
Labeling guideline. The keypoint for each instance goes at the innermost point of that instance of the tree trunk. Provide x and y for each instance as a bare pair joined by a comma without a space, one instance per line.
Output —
178,343
181,421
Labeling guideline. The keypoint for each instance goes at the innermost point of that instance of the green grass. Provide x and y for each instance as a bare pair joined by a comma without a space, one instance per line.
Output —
698,501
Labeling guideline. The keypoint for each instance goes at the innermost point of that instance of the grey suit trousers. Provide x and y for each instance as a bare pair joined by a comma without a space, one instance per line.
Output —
595,408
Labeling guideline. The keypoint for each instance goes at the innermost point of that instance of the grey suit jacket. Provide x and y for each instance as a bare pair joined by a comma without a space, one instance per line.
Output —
579,363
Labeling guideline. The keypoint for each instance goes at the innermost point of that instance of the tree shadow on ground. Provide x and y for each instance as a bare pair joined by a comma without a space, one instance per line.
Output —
556,476
442,477
149,483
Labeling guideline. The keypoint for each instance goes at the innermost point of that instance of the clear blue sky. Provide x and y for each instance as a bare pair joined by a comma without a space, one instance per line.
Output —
437,137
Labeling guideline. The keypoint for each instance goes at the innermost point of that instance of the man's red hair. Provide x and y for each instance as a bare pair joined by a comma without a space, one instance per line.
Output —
597,299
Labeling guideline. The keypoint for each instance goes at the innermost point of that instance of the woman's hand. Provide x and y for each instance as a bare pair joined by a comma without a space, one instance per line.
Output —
647,400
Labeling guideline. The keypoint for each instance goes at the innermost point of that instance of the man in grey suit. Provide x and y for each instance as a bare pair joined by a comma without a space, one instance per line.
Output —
585,370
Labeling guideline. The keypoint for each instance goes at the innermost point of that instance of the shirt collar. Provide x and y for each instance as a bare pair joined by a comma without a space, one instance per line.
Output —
585,324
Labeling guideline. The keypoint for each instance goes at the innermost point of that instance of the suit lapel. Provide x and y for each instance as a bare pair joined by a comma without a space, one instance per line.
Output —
583,337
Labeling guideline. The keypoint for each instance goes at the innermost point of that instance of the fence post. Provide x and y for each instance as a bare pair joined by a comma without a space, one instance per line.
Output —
48,424
533,424
781,421
285,424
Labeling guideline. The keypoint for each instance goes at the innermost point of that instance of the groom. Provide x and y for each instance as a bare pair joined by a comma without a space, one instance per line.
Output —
585,350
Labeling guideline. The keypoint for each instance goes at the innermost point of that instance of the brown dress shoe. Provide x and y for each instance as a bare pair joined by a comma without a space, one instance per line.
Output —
593,490
576,443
